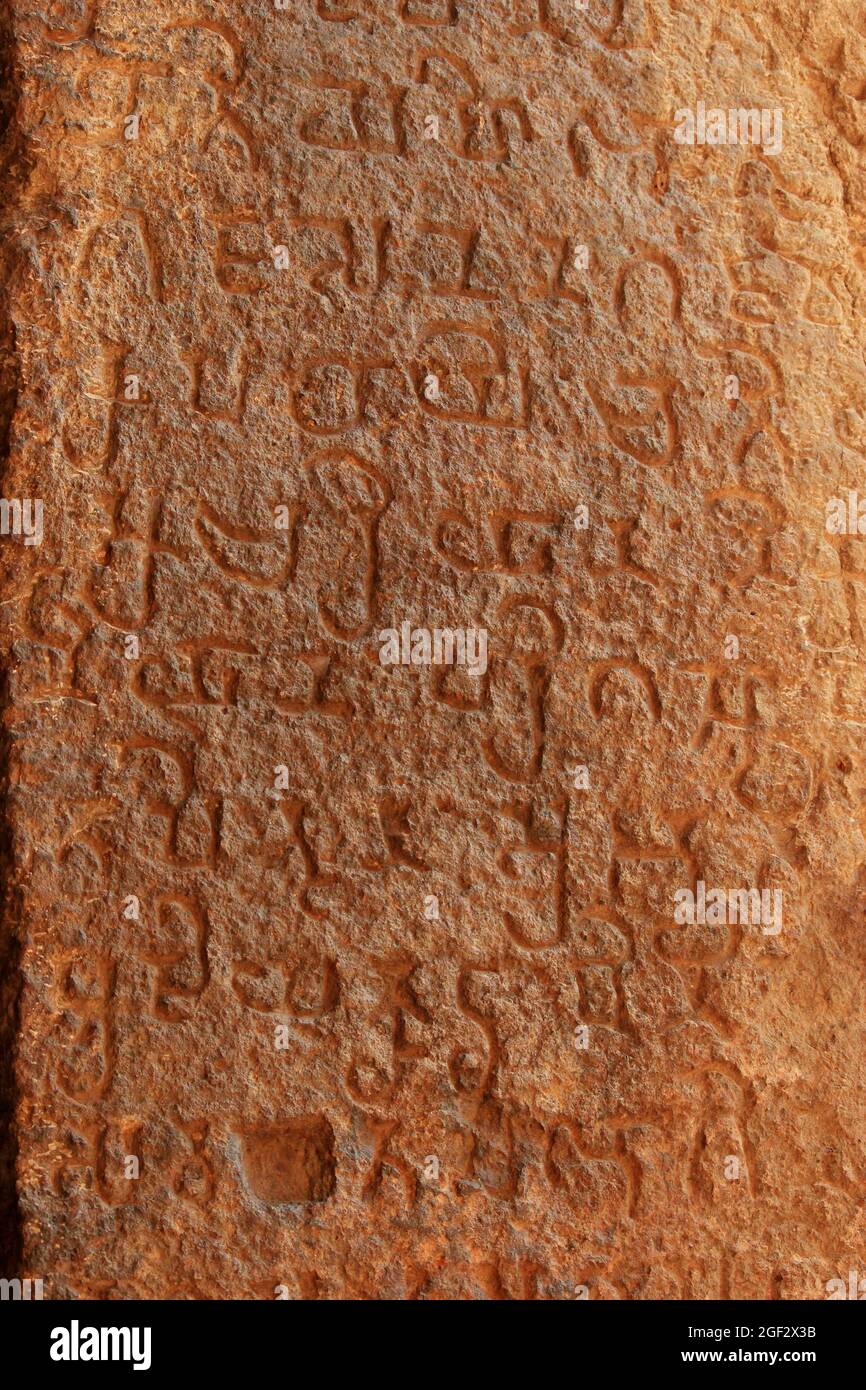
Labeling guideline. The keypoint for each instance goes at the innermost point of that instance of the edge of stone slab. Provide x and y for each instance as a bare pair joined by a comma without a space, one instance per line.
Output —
12,160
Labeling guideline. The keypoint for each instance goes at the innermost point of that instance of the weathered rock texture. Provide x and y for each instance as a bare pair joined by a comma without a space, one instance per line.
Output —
335,317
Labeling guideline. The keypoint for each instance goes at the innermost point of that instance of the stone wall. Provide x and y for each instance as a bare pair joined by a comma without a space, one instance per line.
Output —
434,656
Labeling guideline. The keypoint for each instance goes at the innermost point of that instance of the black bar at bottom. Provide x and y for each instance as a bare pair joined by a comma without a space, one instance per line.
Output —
63,1339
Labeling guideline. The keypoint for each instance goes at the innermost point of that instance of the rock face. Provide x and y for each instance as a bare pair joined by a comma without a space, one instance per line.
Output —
434,658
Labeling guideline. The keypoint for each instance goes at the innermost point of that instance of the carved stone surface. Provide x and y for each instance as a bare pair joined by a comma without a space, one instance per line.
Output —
435,678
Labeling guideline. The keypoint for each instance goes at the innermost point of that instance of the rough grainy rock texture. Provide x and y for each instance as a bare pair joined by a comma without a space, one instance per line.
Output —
344,979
